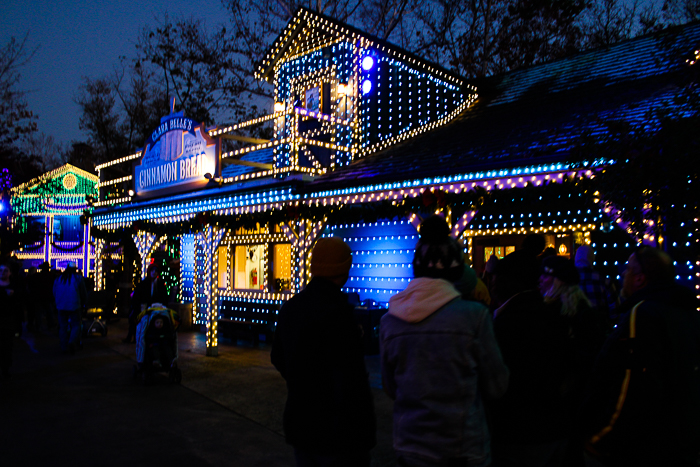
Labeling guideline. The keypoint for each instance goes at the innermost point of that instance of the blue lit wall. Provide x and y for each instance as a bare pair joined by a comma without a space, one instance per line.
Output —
391,96
187,268
382,253
401,98
200,296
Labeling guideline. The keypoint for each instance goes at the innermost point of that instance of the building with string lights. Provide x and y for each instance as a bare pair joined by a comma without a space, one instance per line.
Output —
368,139
48,213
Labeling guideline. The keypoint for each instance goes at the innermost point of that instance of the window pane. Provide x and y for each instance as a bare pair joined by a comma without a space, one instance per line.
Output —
282,269
488,251
223,270
249,267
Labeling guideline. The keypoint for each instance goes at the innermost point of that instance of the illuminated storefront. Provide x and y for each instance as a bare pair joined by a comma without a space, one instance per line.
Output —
367,140
48,213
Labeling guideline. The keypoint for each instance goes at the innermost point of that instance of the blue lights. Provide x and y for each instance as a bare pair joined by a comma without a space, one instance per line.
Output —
367,62
366,87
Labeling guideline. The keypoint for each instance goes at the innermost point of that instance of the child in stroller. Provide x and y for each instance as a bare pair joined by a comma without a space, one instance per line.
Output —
156,343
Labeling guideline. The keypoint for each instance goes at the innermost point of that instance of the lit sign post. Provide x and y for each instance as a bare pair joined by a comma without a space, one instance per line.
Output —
179,156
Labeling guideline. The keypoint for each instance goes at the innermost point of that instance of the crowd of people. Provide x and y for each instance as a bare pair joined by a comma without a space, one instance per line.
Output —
537,363
43,300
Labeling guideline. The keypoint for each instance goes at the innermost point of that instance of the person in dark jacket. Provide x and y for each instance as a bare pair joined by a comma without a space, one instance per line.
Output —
9,319
586,330
329,415
529,423
644,405
440,359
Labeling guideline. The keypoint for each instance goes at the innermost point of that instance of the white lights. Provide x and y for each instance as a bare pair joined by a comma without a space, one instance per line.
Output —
366,87
367,63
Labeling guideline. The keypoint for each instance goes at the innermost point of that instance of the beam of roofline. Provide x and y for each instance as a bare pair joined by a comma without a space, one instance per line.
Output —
269,68
259,165
245,139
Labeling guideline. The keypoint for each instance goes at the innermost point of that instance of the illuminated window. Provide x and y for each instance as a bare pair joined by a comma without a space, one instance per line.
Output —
223,270
499,251
344,106
282,267
249,267
313,99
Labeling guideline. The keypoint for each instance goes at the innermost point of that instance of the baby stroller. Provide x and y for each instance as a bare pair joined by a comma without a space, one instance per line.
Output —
96,314
156,343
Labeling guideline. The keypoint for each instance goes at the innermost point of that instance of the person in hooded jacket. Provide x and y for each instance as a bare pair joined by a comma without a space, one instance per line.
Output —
439,360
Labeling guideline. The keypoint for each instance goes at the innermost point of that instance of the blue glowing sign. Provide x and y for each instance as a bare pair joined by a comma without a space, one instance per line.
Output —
177,156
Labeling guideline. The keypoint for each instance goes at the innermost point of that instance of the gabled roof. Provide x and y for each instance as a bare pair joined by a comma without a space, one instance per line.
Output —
55,174
539,114
293,40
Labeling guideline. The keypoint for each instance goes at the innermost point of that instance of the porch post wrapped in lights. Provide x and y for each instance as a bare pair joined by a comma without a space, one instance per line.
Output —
210,239
99,273
144,243
86,249
48,233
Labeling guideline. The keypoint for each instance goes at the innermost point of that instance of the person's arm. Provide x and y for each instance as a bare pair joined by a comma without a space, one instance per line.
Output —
493,372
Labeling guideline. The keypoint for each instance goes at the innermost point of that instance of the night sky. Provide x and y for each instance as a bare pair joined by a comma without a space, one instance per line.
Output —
78,39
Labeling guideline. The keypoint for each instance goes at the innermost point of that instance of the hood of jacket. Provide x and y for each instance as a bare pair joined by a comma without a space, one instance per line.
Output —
423,297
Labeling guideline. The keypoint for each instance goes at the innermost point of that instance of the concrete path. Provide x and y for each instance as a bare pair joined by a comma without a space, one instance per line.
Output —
88,410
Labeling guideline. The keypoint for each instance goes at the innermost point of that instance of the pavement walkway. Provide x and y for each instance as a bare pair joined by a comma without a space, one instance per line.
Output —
88,410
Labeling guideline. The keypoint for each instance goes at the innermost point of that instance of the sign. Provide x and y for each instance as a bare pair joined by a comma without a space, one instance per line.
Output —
179,156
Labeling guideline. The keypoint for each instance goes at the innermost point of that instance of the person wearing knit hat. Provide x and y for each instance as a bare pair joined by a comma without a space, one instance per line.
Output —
329,413
559,281
331,257
557,267
439,348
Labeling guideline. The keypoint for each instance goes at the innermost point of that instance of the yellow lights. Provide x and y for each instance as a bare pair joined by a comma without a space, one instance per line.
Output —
342,90
109,202
323,144
227,129
279,107
585,228
118,161
256,147
114,181
324,117
56,173
430,126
